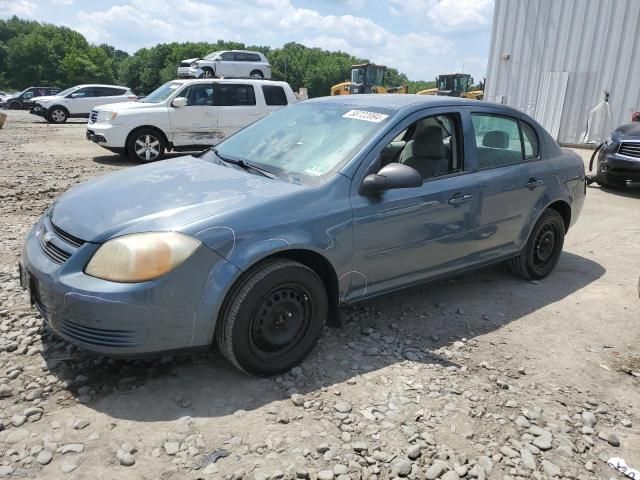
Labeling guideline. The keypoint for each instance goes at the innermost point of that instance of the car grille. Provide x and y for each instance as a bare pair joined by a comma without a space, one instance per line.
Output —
101,336
48,231
185,64
93,116
630,149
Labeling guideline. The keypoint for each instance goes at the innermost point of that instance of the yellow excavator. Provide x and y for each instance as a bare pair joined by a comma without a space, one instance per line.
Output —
455,85
366,78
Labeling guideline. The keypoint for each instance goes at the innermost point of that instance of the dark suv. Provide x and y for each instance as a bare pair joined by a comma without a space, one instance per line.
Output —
22,100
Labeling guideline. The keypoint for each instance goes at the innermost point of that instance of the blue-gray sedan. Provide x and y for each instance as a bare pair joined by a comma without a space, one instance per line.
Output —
254,244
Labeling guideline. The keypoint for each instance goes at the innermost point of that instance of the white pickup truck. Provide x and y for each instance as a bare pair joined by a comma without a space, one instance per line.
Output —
184,115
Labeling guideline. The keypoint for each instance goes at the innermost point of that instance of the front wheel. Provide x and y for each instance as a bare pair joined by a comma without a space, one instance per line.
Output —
57,115
272,318
543,249
146,145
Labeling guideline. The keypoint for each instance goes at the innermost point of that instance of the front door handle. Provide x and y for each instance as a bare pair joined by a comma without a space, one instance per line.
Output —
534,182
459,199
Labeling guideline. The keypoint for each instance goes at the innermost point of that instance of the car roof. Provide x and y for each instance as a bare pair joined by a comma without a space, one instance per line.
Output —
402,101
100,85
252,81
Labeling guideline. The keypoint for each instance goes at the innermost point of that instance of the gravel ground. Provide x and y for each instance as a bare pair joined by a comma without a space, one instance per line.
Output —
482,376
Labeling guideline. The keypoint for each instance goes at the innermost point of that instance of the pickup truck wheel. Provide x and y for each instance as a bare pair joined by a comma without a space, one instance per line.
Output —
543,249
272,318
57,115
256,74
146,145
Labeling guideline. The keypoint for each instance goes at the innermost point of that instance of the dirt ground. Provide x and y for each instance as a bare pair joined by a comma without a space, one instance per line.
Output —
481,376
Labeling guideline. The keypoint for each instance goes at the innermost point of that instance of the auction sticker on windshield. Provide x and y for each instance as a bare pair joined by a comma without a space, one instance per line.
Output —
364,115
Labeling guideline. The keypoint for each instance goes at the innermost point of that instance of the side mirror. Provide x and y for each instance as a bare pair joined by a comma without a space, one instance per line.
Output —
394,175
179,102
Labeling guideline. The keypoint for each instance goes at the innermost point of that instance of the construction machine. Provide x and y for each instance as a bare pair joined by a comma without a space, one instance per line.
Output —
455,85
366,78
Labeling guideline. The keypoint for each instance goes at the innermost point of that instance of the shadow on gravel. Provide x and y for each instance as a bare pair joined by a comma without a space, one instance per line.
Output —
123,160
411,325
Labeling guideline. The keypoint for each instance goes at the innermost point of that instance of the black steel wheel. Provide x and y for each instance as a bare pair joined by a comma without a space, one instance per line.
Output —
272,318
543,249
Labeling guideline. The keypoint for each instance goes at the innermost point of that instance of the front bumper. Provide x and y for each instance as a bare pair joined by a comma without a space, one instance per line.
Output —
36,109
189,72
111,318
619,167
107,135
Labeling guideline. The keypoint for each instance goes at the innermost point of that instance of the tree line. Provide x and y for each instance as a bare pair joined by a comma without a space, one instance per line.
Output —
39,54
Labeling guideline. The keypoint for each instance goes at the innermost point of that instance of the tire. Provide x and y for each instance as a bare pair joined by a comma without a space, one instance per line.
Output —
15,106
57,115
543,248
272,318
146,145
256,74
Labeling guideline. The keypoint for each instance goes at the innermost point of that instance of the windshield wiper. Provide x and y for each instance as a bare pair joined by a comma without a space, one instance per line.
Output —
246,165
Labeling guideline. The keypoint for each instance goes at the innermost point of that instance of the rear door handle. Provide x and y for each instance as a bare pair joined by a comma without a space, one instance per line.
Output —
534,182
459,199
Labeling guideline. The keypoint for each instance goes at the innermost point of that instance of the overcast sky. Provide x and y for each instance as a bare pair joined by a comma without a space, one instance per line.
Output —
421,38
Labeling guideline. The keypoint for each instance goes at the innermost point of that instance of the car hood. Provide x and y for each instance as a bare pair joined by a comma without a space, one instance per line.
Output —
627,131
162,196
120,106
191,60
46,98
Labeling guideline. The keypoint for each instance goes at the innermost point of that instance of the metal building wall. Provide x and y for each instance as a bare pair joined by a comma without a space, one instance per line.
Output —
596,41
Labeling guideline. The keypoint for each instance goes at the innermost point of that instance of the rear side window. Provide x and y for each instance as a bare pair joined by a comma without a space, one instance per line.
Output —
530,141
497,139
274,95
234,94
110,92
253,57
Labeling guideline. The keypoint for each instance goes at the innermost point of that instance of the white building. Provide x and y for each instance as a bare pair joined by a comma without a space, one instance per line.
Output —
555,59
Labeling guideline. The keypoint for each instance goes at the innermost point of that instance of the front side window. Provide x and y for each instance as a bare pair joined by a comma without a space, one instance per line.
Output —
497,140
234,95
200,95
274,95
227,57
430,145
305,141
211,56
84,93
27,95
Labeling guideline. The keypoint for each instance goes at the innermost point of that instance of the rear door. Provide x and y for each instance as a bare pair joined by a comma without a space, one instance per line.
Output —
195,123
512,178
237,106
274,97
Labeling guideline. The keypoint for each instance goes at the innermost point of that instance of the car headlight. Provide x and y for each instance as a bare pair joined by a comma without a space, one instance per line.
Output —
140,257
106,116
194,65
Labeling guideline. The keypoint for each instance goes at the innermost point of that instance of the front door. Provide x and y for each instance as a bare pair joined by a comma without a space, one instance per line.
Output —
196,123
406,235
81,101
225,65
236,103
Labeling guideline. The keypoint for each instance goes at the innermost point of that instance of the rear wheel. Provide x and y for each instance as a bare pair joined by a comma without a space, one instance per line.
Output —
256,74
272,318
57,115
146,145
543,249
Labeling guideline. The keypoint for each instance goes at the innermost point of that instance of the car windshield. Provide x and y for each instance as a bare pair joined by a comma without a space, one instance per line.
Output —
305,142
66,92
160,94
212,55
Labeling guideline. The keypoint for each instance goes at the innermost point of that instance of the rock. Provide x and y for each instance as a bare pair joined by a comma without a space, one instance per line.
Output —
522,422
68,466
44,457
550,469
401,467
508,452
360,447
6,470
625,422
589,466
18,420
486,464
72,448
32,411
171,448
325,475
611,438
210,469
414,452
543,443
451,475
297,399
34,394
589,419
5,391
80,423
564,451
342,407
527,459
340,469
126,459
434,471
